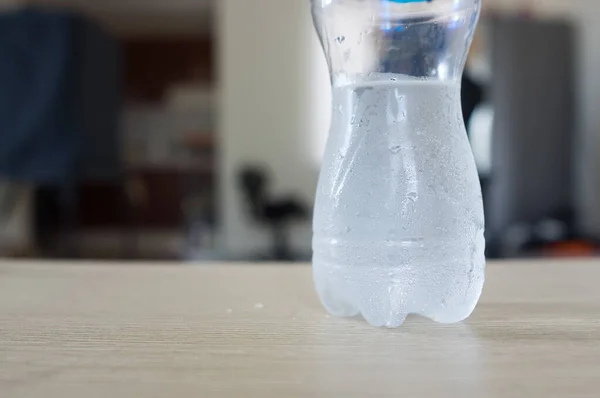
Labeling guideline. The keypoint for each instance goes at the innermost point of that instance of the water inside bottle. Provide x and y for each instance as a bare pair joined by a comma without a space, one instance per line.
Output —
398,219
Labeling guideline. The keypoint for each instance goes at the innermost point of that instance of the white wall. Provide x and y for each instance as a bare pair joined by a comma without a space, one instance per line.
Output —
268,55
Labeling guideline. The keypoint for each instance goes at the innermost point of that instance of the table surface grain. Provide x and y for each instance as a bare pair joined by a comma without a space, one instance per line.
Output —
117,330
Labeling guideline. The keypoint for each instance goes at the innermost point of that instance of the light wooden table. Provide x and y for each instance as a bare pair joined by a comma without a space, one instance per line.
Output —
85,330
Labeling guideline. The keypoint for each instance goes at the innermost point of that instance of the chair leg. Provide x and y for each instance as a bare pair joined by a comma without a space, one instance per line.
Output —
281,243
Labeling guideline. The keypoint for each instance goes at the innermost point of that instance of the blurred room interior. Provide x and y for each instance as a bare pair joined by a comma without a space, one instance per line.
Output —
193,129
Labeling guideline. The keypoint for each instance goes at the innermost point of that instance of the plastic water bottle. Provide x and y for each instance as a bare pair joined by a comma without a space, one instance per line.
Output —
398,224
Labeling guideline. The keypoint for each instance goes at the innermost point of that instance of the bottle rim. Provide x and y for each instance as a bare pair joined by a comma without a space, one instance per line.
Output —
398,9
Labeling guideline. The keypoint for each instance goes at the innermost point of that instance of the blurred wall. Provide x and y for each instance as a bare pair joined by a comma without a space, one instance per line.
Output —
271,110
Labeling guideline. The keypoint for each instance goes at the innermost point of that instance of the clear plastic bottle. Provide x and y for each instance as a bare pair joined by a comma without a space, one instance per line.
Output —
398,224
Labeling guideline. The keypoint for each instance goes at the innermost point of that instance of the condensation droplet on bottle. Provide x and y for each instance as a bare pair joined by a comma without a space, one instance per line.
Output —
395,149
341,39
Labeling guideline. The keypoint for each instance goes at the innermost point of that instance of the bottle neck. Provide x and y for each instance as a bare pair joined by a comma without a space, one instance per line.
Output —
359,42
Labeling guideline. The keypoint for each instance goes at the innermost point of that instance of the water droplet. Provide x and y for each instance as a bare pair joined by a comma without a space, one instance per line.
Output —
395,149
413,196
348,230
341,39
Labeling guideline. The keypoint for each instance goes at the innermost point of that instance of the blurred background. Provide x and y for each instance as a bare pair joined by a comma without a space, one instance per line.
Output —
193,129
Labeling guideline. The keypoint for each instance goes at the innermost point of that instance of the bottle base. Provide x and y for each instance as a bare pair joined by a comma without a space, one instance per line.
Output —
385,297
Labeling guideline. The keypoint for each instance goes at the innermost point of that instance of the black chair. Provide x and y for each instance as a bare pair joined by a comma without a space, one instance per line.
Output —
275,213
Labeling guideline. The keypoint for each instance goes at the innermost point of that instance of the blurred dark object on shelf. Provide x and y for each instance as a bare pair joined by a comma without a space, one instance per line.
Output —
555,236
276,213
534,133
153,64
